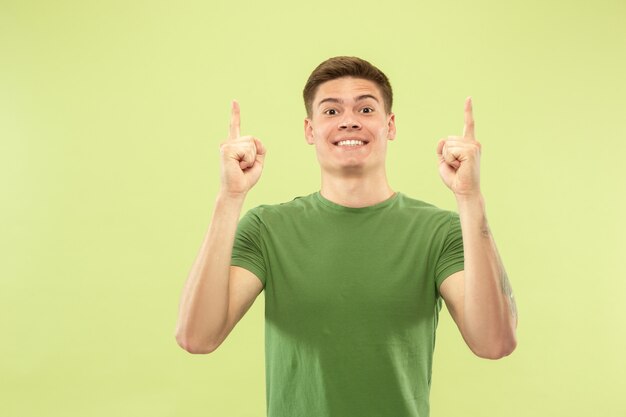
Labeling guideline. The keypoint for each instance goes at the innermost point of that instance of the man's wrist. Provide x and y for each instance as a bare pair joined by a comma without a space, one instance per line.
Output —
473,215
230,199
470,200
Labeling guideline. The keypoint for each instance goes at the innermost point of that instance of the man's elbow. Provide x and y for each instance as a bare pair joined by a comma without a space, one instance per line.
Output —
498,350
194,347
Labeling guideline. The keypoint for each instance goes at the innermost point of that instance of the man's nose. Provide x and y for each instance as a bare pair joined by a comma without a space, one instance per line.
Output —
349,122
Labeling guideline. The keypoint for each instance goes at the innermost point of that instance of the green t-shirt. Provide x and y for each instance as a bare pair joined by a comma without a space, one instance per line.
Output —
351,302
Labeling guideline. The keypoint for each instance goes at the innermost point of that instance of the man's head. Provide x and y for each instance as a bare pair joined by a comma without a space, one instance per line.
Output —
346,66
349,116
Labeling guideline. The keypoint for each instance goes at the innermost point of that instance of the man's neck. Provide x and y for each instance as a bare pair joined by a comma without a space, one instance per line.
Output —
356,191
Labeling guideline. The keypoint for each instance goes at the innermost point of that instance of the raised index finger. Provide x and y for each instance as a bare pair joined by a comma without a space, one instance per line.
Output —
234,121
468,129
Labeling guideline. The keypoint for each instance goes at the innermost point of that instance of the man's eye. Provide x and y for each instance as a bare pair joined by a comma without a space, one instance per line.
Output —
367,110
331,111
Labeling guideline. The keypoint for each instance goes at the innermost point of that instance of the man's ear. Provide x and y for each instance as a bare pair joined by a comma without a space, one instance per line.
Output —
308,131
391,126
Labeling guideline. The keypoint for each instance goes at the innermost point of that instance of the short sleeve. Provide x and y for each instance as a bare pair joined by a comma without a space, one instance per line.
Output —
451,257
247,248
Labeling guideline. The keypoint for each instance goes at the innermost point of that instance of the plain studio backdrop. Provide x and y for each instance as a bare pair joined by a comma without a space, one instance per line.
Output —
111,116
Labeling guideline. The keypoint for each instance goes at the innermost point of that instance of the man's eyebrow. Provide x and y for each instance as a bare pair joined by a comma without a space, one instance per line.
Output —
364,96
328,100
336,100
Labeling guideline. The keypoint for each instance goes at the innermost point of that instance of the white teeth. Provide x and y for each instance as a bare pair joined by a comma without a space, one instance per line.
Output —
350,143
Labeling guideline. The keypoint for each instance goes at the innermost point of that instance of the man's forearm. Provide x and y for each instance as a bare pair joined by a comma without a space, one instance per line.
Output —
203,306
490,313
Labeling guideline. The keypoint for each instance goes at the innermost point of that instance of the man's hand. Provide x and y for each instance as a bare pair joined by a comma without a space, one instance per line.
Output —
459,159
242,158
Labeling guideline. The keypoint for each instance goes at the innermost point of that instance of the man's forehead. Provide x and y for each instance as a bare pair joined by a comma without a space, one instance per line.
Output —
347,88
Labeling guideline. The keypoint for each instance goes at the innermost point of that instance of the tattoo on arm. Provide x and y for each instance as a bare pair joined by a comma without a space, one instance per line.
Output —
507,290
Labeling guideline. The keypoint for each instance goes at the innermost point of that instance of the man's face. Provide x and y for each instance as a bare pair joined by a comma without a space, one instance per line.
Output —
349,109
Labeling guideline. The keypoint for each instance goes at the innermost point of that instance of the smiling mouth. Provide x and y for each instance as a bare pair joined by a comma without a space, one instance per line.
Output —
350,143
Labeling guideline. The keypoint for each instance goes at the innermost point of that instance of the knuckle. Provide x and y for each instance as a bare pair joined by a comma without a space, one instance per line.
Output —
248,147
243,140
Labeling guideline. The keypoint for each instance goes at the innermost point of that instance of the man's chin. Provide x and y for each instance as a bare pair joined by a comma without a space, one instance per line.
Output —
347,169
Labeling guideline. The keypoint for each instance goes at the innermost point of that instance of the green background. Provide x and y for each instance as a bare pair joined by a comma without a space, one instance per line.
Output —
111,116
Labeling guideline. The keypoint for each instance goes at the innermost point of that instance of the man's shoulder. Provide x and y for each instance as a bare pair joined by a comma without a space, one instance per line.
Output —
408,201
412,204
296,204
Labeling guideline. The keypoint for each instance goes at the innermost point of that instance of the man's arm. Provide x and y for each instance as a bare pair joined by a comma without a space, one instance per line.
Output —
216,295
479,298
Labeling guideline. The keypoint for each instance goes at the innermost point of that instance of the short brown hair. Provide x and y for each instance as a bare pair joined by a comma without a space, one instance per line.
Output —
346,66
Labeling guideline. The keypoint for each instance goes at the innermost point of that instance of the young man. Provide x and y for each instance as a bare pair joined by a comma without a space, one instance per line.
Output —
353,274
